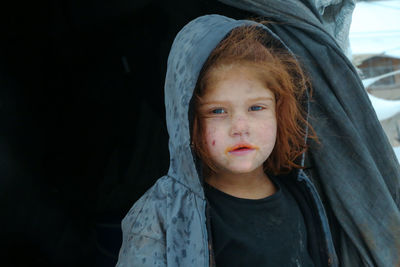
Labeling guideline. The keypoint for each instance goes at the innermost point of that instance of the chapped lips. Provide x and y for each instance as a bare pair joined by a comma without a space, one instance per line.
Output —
239,148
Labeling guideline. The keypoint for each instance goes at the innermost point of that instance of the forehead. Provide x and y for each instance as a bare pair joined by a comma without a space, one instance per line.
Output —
233,82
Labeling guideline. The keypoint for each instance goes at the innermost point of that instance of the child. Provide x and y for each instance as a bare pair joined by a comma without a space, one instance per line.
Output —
236,193
248,123
245,122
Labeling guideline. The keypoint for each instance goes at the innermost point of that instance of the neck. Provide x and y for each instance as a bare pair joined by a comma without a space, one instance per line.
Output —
253,185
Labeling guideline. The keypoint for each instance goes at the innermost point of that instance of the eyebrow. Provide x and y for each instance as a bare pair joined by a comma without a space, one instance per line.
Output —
225,102
213,103
261,98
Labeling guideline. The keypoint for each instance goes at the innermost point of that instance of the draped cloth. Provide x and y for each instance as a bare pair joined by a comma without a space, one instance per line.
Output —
354,167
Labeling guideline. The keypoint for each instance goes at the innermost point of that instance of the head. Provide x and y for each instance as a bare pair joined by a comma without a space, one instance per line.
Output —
247,105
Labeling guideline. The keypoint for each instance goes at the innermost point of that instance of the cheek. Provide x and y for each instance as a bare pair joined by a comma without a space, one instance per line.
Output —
212,137
268,132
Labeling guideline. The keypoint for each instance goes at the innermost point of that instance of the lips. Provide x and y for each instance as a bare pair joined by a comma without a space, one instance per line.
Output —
240,149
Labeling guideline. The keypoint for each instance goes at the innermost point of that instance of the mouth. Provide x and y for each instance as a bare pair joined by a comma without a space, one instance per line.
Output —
240,149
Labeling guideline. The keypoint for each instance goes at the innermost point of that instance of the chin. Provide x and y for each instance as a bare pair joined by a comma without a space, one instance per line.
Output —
242,169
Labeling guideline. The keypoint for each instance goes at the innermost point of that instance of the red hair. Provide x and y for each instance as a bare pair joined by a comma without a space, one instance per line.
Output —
253,47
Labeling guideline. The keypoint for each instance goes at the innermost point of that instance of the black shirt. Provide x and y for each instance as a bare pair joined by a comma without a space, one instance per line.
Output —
264,232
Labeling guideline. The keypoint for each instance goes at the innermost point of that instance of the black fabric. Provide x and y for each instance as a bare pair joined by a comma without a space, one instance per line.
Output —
265,232
316,244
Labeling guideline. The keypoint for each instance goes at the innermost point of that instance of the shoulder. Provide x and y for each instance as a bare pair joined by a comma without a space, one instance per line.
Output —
148,216
167,207
148,209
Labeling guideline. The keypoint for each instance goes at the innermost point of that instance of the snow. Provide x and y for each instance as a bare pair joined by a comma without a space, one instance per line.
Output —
369,81
384,108
375,28
397,152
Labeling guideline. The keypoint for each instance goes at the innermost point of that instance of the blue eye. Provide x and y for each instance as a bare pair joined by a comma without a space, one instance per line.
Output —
218,111
256,108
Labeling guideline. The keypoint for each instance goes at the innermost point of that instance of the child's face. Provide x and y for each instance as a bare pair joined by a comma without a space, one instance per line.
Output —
237,113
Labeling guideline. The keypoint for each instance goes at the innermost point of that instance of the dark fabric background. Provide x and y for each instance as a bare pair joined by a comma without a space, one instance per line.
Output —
83,132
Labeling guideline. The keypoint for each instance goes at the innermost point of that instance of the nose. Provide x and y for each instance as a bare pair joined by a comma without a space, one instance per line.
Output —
239,126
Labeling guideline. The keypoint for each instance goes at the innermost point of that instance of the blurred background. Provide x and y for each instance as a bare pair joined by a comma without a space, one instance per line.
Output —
83,133
375,50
